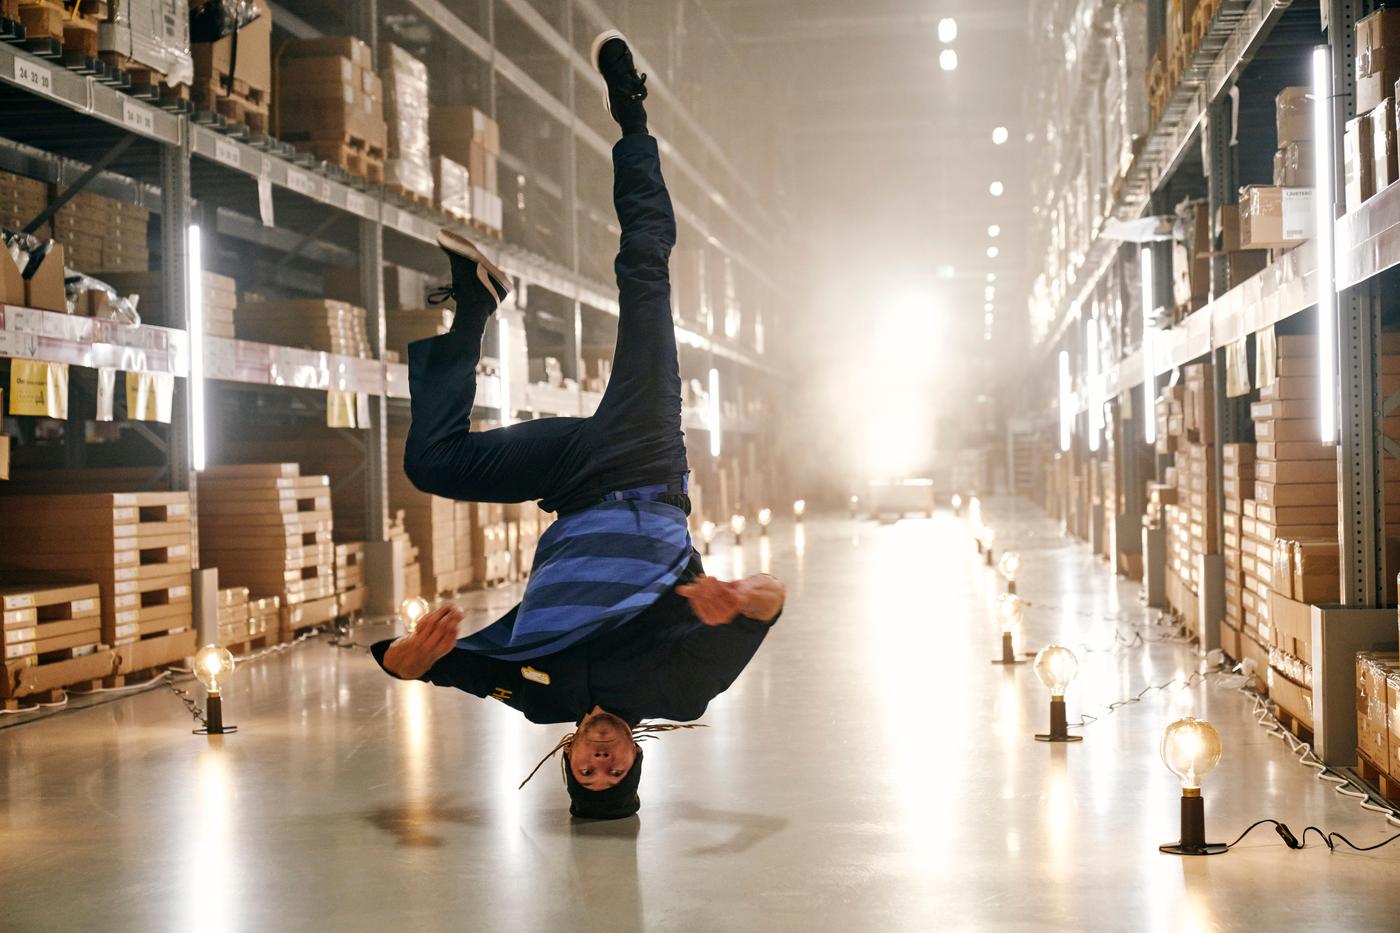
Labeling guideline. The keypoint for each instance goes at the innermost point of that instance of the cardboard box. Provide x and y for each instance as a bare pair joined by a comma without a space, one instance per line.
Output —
1275,218
1373,88
1293,110
1294,167
1358,154
252,65
1383,159
1379,30
342,46
44,289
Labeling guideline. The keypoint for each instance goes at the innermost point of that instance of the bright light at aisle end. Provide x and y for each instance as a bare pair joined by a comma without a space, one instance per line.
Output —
1323,201
194,251
947,30
948,60
997,189
1000,135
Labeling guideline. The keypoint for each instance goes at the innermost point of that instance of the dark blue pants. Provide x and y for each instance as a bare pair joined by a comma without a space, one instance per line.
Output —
633,439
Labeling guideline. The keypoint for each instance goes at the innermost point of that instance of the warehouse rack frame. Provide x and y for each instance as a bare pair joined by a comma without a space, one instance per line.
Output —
1369,245
230,156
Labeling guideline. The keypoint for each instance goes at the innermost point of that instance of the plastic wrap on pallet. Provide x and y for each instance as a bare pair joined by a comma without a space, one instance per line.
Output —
113,305
406,112
151,33
214,21
453,188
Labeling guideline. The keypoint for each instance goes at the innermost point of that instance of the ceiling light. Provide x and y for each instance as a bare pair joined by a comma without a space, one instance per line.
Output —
1000,136
947,30
996,189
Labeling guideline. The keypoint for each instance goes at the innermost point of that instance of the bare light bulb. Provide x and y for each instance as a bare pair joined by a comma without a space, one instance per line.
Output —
411,611
765,517
1010,611
1009,565
997,188
947,30
957,502
736,524
948,60
1056,666
994,231
212,665
993,252
799,508
988,536
1191,750
707,531
1000,135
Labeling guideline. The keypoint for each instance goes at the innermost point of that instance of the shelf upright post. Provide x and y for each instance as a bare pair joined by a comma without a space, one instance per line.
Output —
571,200
1362,511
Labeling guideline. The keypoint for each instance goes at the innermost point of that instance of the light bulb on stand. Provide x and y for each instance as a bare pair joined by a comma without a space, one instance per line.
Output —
989,537
957,504
411,611
799,509
1056,666
1010,610
1009,565
1191,750
736,525
707,534
212,665
765,516
855,505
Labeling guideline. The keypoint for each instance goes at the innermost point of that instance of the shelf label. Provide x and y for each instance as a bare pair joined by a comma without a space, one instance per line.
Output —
34,76
18,345
137,117
303,183
227,152
356,204
390,216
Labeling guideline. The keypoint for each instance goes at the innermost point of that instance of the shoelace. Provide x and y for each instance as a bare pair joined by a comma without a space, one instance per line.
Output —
440,295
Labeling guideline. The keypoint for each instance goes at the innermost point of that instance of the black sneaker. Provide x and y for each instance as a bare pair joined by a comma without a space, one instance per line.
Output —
612,56
477,284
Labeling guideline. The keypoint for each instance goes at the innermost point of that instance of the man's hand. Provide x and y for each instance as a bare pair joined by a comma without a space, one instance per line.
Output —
411,656
716,602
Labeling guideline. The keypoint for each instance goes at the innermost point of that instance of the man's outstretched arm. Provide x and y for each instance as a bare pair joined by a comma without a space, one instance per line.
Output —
717,602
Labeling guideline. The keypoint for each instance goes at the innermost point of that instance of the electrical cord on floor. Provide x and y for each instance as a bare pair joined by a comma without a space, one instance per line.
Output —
1329,839
190,702
1185,683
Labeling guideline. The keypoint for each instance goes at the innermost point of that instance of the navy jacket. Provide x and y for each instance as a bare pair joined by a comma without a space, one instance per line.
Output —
663,664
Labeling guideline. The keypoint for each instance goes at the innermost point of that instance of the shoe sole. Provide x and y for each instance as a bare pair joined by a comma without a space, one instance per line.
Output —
602,39
456,243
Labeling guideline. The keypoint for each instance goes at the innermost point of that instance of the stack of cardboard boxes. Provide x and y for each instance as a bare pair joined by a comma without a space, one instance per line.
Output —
233,76
330,103
50,638
21,200
135,546
1369,141
469,137
412,570
313,323
220,300
1280,216
1191,259
350,588
265,618
233,616
409,169
1238,487
1378,717
101,235
267,527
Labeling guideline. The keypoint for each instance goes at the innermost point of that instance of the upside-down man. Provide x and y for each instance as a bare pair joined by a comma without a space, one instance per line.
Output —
618,622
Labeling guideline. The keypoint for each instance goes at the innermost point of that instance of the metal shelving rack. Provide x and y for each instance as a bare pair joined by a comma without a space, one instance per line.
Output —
189,172
1367,246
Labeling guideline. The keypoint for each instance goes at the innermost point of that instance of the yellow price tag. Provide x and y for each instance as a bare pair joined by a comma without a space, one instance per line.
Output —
149,396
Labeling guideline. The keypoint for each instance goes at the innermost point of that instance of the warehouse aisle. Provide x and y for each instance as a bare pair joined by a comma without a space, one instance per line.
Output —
869,771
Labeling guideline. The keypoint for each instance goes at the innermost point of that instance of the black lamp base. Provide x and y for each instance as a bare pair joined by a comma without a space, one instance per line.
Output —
214,718
1210,848
1011,587
1193,830
1059,729
1008,652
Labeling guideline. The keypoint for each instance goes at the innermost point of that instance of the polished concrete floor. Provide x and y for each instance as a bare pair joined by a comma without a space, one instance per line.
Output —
870,770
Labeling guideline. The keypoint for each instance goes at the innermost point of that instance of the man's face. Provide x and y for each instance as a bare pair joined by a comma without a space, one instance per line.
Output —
602,751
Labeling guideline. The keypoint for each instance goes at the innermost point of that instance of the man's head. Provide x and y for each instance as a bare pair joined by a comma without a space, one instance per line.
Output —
602,768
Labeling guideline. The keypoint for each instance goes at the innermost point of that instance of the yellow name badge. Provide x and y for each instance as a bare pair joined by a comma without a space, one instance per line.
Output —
539,677
38,388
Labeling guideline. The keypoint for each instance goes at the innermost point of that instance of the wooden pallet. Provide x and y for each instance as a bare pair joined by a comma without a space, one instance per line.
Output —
248,646
1378,776
54,695
1293,724
412,197
1201,18
351,154
237,102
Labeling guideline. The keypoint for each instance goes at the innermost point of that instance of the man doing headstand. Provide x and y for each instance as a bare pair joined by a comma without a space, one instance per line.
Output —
618,622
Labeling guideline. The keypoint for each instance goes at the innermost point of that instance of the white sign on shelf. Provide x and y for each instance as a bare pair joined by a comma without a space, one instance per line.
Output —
24,346
303,183
137,117
227,152
34,76
265,198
